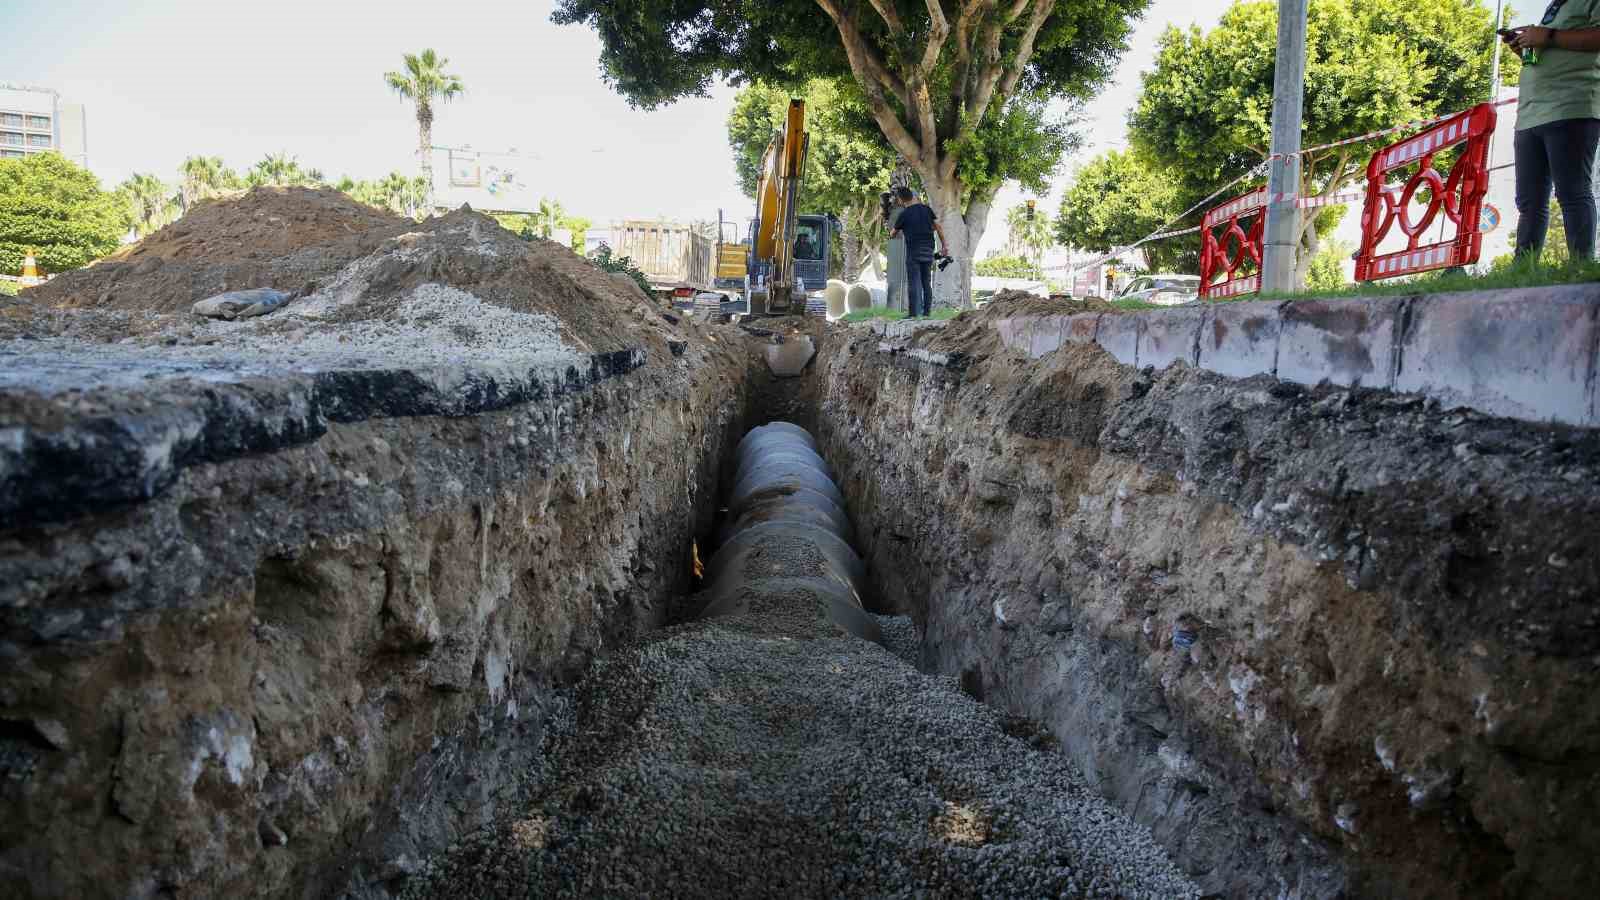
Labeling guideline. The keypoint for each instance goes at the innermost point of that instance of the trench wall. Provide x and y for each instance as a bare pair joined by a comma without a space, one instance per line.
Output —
1324,642
297,667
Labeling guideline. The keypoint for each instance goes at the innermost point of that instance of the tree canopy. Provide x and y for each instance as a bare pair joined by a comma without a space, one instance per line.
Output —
1205,110
956,89
281,170
57,209
1007,267
1116,199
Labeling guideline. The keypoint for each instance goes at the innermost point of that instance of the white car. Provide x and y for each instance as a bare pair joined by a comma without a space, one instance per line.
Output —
1163,290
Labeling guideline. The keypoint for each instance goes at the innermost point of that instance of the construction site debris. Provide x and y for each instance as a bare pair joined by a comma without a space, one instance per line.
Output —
241,304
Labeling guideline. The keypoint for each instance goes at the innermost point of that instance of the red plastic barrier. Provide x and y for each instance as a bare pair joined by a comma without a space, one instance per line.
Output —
1215,256
1460,197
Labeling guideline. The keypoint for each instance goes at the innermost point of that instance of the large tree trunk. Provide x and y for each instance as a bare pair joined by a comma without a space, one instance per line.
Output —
963,229
425,152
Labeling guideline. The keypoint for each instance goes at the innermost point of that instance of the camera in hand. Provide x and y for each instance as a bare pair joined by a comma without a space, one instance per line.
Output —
942,260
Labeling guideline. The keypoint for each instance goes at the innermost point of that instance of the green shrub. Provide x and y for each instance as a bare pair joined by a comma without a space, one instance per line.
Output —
602,257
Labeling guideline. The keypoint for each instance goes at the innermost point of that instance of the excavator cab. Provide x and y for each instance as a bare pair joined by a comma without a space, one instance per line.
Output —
808,256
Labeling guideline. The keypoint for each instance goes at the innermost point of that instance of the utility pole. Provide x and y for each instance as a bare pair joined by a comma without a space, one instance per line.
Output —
1494,68
1282,232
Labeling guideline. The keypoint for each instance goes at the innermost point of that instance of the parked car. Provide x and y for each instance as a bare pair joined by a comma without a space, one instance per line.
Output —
1162,290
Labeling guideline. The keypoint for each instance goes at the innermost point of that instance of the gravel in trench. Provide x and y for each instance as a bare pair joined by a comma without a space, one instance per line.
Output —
770,755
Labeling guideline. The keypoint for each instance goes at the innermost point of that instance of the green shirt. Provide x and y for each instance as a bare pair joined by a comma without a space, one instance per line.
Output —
1565,84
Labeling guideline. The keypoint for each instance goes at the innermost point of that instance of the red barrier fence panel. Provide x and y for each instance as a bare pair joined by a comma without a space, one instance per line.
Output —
1459,196
1223,257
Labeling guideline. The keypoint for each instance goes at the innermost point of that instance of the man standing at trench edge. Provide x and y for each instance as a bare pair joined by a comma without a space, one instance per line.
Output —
918,223
1558,124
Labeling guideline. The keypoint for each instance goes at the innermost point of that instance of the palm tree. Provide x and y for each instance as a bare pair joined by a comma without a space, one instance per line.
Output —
147,200
282,170
549,217
202,178
422,80
396,190
1031,232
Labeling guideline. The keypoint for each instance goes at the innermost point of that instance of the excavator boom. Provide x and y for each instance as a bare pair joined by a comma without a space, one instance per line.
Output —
777,205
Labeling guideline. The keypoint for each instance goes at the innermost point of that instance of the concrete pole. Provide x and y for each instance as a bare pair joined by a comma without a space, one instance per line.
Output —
1282,233
1494,67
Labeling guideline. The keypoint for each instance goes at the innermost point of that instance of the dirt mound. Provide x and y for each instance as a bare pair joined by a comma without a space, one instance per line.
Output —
347,264
284,238
469,252
1021,303
264,223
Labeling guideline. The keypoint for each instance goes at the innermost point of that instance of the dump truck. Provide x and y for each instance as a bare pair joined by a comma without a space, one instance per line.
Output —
677,259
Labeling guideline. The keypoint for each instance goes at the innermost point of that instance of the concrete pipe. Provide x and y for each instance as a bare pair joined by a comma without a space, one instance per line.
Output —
782,479
835,294
778,430
776,464
859,298
792,543
793,455
798,504
785,546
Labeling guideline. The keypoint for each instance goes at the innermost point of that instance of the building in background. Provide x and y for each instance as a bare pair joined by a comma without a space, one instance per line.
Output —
35,120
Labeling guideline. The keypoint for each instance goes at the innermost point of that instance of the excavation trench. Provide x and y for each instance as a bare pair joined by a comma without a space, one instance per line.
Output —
971,624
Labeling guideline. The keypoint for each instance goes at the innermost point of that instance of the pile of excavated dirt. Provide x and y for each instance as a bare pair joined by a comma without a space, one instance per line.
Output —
280,238
365,282
1021,303
973,333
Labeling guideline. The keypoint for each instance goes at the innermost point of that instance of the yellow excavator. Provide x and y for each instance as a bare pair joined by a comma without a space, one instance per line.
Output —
778,237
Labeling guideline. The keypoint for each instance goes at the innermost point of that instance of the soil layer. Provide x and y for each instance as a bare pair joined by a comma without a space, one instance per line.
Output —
1321,641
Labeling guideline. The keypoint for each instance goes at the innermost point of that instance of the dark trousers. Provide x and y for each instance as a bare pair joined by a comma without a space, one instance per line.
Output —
919,287
1559,154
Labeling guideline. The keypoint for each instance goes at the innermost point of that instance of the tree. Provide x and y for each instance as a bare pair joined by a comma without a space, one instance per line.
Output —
1030,230
579,228
1326,271
281,170
369,192
1205,110
57,210
849,162
1118,198
1007,267
550,216
204,177
423,80
956,89
150,202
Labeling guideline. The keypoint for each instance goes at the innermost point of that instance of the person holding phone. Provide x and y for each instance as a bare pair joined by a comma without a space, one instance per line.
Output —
1558,124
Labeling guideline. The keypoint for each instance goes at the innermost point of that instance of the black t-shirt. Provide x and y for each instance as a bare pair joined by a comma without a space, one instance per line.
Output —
916,223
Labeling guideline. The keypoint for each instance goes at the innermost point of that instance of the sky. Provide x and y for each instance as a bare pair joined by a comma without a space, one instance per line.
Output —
162,80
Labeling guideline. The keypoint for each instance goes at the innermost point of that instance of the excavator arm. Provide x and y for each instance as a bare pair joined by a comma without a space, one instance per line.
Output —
777,205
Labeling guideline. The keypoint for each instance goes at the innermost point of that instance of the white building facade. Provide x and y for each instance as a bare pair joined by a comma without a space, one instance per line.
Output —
36,120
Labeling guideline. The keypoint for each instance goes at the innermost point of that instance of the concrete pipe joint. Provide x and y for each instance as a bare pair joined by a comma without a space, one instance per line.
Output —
786,542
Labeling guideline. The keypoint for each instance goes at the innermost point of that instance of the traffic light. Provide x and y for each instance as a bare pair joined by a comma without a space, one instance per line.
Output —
1030,210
